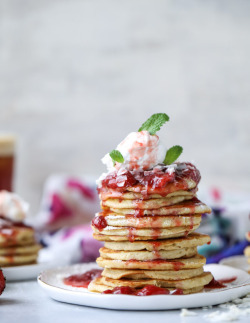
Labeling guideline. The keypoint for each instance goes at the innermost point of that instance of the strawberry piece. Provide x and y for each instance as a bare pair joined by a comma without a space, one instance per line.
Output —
2,282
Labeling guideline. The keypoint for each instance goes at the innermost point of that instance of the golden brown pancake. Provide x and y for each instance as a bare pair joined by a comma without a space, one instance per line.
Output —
153,274
247,251
16,236
187,207
152,221
97,286
14,260
188,283
145,204
194,239
147,255
144,233
111,193
182,263
20,250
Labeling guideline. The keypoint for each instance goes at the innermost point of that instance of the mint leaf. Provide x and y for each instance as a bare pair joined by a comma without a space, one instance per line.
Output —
154,123
172,154
116,156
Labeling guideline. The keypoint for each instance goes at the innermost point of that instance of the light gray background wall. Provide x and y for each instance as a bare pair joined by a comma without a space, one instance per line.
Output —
76,76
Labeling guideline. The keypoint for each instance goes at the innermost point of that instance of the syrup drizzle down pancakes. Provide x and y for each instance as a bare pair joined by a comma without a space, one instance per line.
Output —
147,222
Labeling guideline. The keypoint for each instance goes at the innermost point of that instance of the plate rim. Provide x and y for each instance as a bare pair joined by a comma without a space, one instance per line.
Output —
140,301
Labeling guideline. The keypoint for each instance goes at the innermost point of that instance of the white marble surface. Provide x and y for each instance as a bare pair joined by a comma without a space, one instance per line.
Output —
25,301
77,76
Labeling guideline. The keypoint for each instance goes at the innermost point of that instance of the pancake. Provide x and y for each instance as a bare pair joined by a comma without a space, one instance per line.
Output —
16,236
192,240
102,237
20,250
182,176
138,196
182,263
18,259
145,204
247,251
147,255
170,187
188,207
130,233
97,286
154,274
188,283
151,221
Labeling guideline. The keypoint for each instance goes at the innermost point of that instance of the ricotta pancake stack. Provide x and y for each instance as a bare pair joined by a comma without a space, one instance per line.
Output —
17,243
148,223
149,214
17,240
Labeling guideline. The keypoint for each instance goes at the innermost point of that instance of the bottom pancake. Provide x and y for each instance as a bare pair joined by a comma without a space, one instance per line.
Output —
96,286
193,282
19,255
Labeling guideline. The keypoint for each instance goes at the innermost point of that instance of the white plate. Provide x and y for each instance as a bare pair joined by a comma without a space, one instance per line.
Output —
239,262
27,272
52,282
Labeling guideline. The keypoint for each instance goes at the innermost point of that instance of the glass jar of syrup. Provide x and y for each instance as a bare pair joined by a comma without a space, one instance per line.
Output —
7,156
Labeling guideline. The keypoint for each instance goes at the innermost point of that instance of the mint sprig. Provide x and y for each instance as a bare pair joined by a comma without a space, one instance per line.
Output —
154,123
172,154
116,156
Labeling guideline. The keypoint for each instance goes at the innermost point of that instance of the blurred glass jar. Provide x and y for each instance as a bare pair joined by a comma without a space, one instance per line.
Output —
7,157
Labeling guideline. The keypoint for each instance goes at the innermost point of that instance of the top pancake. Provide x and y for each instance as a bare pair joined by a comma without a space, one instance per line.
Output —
16,236
162,180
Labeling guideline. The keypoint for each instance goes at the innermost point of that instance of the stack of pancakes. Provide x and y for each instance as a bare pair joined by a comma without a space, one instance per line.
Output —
147,222
17,243
247,250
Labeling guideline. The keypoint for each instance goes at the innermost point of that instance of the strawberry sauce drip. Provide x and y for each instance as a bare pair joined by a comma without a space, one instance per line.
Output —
154,180
227,280
214,284
145,291
178,265
131,234
156,245
7,223
191,223
156,233
82,280
139,213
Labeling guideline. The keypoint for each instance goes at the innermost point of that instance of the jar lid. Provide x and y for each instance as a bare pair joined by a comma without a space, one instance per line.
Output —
7,144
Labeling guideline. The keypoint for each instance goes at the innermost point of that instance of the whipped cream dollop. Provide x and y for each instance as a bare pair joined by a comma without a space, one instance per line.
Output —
12,206
140,150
